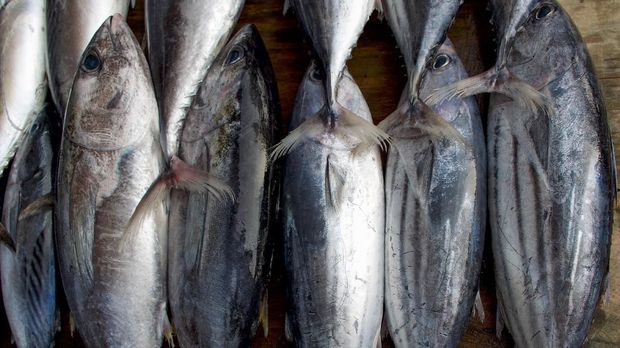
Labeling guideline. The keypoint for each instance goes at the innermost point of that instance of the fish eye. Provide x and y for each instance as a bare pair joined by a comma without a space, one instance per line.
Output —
316,74
36,126
442,60
234,55
544,11
91,62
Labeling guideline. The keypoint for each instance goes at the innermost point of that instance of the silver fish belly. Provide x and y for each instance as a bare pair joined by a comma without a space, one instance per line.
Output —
551,186
22,71
220,251
110,154
71,24
333,215
29,274
435,191
184,37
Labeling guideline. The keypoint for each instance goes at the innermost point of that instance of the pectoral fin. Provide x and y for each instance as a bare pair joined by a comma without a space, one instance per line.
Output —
40,206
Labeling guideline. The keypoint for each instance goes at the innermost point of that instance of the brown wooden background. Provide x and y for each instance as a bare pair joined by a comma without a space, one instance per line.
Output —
377,67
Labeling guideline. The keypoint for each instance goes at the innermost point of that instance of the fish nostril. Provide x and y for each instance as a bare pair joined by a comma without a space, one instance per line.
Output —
544,11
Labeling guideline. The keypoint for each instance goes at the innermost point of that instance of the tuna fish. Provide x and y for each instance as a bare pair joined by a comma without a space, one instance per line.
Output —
435,216
71,24
184,37
110,154
551,177
333,27
220,253
29,273
333,214
22,71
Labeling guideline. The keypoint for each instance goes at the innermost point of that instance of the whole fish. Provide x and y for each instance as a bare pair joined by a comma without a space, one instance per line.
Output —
333,27
29,273
552,185
22,71
435,217
220,253
110,153
551,179
184,37
71,24
333,214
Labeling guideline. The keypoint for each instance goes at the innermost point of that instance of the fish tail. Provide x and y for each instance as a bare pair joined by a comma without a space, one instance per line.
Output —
417,115
39,206
182,176
338,121
5,238
494,81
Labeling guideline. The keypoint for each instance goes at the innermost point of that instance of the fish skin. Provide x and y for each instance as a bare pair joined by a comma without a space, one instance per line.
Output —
22,71
435,219
333,215
419,27
220,255
29,274
110,154
333,27
551,185
71,24
184,37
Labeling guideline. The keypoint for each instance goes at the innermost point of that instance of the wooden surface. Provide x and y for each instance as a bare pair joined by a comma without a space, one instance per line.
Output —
377,66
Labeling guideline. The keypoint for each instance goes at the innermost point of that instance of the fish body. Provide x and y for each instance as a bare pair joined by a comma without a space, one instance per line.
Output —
184,37
220,251
22,71
333,215
110,154
71,24
419,27
29,274
551,184
435,191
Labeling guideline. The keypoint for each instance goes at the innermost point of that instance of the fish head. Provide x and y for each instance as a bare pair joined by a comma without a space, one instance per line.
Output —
545,46
112,104
232,75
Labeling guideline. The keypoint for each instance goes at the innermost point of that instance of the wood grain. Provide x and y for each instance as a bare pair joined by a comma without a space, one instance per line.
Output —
377,67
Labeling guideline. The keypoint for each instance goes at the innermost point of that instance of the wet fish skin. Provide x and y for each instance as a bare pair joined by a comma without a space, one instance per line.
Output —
110,154
333,27
435,218
29,274
184,37
71,24
333,215
419,27
551,185
22,71
220,254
